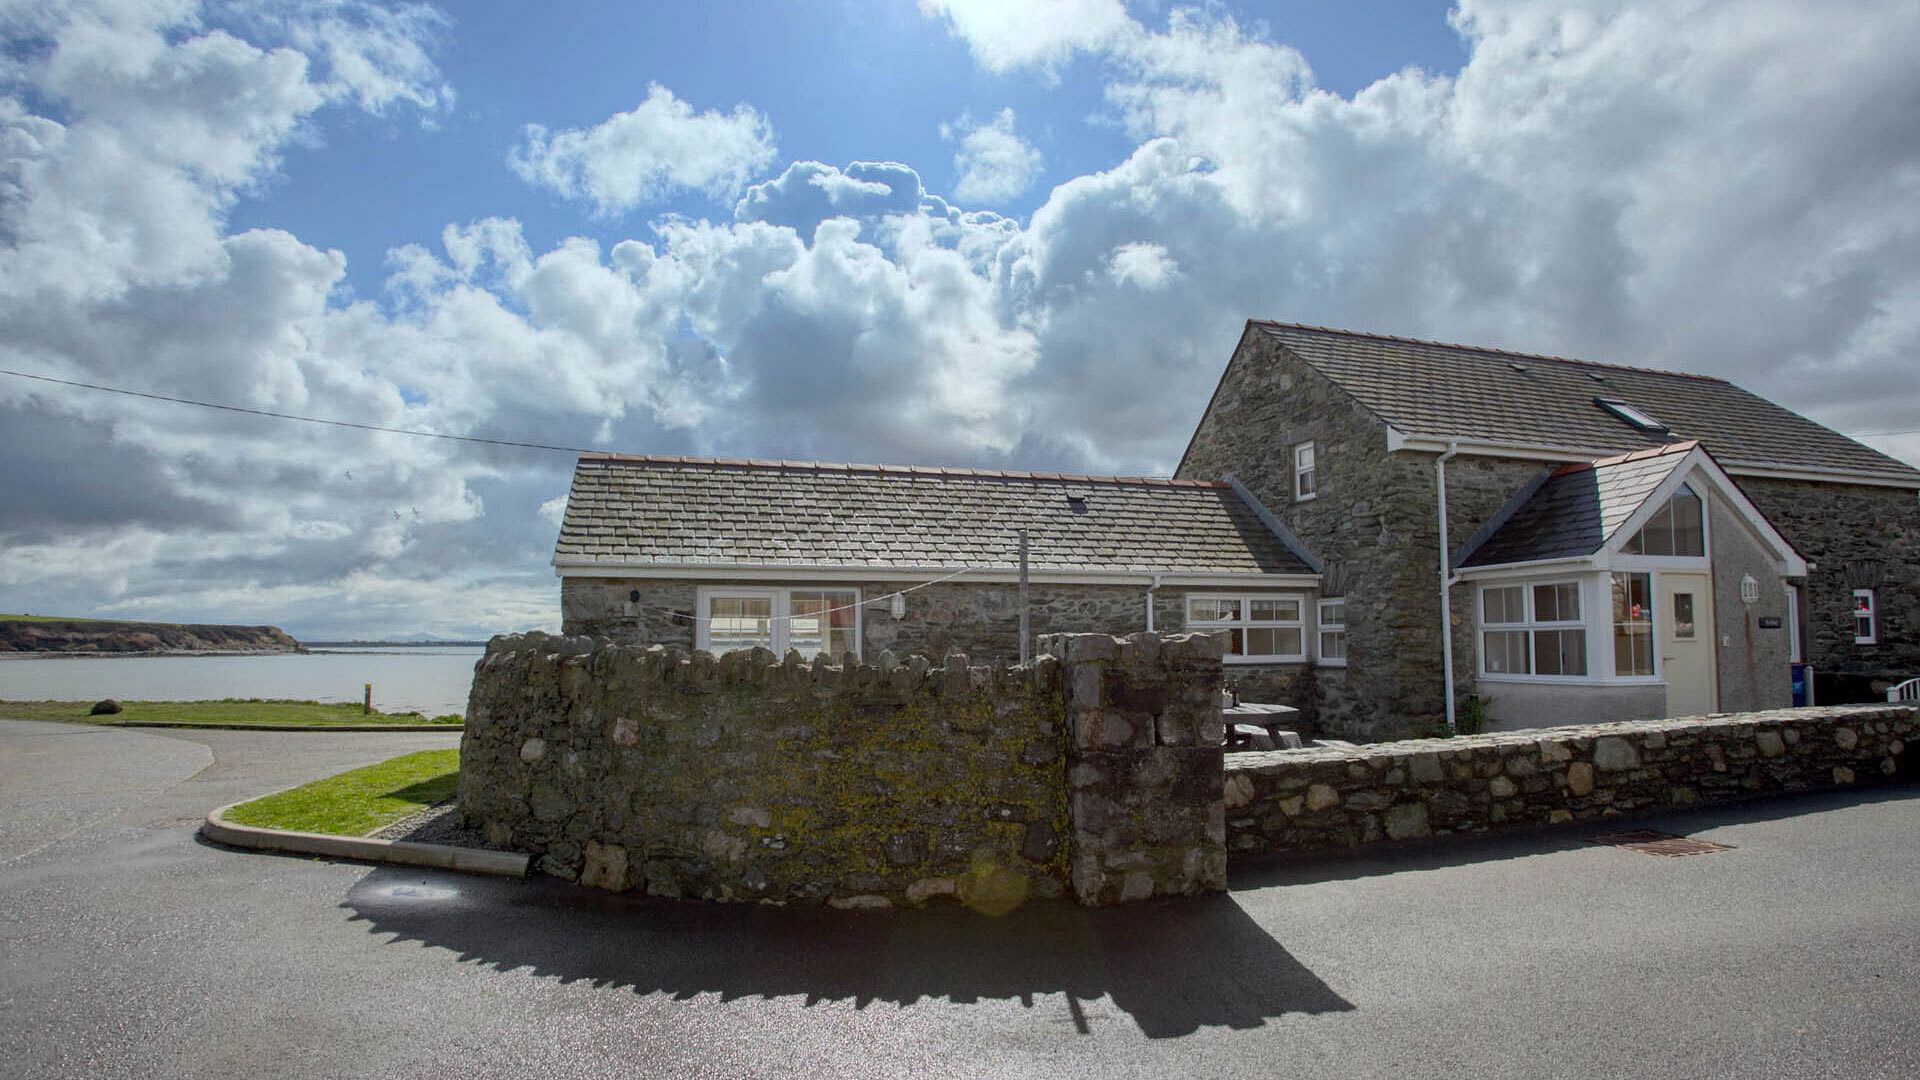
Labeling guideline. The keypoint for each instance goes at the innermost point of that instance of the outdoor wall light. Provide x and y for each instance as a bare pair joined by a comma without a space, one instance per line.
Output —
899,606
1749,589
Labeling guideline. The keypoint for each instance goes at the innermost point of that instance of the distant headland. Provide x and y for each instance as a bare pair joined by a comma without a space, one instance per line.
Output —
55,634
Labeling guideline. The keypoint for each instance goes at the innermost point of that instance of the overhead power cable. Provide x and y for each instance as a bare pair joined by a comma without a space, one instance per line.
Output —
302,419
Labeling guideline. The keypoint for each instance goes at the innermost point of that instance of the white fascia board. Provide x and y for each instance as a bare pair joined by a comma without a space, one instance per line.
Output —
1502,448
1575,564
986,574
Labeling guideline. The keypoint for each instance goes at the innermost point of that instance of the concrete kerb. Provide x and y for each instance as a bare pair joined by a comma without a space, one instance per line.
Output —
365,848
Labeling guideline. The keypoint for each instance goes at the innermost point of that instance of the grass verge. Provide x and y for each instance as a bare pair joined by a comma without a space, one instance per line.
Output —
226,711
356,803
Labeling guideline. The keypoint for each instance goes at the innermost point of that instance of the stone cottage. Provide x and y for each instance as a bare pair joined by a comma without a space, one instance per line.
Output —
1618,543
836,559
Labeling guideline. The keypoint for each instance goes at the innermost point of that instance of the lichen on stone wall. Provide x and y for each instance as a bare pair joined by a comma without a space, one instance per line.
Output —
744,777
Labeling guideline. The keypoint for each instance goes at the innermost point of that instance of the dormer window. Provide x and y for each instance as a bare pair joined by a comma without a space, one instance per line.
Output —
1677,528
1304,486
1633,416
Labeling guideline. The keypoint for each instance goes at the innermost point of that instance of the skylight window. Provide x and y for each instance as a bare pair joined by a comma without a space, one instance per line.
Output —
1632,415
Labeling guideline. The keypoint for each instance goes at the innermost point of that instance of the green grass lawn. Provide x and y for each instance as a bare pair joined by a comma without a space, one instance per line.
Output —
227,711
358,802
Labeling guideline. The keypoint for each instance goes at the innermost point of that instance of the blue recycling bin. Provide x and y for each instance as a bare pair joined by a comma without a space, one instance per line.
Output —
1803,684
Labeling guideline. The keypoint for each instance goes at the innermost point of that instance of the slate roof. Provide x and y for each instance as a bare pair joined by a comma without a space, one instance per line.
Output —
1430,388
666,510
1579,507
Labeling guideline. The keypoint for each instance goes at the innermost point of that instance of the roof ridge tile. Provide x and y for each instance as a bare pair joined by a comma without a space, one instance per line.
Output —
1486,349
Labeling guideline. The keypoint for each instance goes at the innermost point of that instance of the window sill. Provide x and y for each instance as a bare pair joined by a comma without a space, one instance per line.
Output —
1572,680
1263,660
1306,498
1337,662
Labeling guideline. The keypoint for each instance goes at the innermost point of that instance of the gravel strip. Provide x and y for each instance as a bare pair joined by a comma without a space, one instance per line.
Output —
438,824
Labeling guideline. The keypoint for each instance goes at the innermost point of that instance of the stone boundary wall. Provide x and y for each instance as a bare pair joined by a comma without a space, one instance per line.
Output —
744,777
1147,744
1294,800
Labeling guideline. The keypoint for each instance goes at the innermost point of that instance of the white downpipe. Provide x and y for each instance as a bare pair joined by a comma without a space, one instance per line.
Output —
1446,600
1150,591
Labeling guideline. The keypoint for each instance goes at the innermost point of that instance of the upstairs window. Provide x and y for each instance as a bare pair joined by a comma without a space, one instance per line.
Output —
1264,629
1532,630
1333,632
1304,486
1866,627
1678,528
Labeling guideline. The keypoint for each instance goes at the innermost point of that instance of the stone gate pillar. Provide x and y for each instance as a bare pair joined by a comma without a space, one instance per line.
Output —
1144,772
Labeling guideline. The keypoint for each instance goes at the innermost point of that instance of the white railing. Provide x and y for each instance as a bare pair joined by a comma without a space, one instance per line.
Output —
1906,691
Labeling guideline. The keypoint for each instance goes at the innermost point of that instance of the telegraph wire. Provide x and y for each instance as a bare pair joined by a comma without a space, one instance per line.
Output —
302,419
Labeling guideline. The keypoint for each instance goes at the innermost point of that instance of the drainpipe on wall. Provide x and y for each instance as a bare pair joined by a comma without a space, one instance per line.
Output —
1150,591
1446,600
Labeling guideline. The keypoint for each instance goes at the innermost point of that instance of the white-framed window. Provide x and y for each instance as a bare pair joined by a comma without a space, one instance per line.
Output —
1633,624
1677,529
1332,617
1305,485
812,620
1533,629
1866,623
1266,628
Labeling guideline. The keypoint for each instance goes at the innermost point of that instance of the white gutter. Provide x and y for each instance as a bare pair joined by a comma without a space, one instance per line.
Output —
724,571
1150,591
1526,451
1446,582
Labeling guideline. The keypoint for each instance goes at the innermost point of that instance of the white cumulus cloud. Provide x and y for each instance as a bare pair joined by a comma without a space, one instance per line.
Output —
994,163
1004,34
658,147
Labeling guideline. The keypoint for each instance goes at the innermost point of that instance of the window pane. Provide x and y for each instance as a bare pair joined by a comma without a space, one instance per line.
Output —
1632,624
1556,603
1267,641
1657,537
821,620
1212,610
739,622
1505,605
1274,610
1333,645
1688,536
1683,616
1505,652
1333,613
1560,652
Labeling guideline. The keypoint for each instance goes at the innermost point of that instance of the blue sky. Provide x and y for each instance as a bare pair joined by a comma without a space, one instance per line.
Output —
489,220
841,81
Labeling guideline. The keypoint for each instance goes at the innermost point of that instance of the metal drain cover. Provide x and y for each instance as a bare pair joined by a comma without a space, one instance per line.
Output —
1659,843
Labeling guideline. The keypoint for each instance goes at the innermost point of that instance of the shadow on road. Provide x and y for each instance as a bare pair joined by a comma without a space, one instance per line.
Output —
1437,853
1174,967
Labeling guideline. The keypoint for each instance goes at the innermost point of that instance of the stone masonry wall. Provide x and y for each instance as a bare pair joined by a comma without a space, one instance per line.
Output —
1296,800
744,778
1146,738
862,785
1855,537
1372,522
981,619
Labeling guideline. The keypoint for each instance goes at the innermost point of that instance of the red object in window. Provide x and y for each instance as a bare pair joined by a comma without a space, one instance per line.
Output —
1636,611
1861,604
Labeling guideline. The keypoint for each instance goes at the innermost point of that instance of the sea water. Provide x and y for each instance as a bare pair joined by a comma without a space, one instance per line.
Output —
430,680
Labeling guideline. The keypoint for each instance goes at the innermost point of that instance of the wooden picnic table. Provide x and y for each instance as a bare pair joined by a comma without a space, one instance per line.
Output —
1274,720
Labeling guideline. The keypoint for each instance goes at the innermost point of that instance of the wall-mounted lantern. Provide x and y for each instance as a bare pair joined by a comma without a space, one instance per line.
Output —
1749,589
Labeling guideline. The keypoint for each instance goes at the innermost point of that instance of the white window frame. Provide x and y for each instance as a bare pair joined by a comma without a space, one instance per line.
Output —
782,598
1246,621
1871,614
1533,625
1306,479
1321,631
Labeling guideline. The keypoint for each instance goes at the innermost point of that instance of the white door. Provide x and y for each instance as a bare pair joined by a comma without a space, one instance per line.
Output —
1684,621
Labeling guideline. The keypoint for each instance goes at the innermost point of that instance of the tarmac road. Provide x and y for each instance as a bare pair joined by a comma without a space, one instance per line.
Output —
130,948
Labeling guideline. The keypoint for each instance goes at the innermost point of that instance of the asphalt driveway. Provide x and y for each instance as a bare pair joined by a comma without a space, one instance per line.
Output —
132,949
